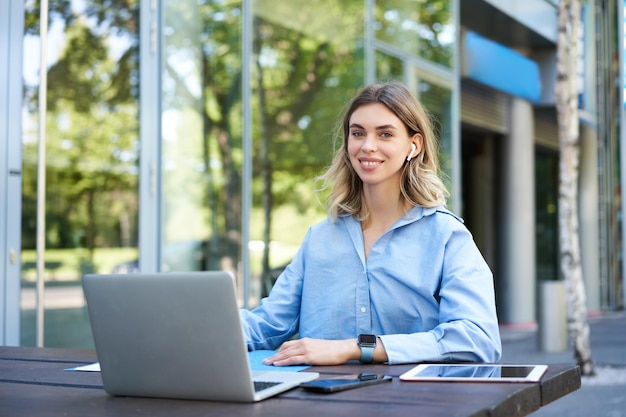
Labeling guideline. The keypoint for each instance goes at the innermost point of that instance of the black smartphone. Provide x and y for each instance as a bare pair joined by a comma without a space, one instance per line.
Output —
344,382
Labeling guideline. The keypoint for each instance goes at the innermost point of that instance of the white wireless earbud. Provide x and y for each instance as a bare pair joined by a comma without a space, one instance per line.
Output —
413,148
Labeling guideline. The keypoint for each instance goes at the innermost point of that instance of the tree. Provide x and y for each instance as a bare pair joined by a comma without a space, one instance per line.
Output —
569,138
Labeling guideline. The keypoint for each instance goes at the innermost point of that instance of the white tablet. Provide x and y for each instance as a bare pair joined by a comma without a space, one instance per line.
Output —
469,372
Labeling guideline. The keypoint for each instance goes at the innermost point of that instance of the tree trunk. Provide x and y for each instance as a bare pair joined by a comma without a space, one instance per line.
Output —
566,94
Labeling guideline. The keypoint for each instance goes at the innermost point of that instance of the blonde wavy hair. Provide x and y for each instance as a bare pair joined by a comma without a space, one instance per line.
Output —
421,183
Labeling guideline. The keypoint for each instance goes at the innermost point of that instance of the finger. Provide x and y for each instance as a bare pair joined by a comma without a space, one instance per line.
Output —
288,345
281,355
292,360
270,360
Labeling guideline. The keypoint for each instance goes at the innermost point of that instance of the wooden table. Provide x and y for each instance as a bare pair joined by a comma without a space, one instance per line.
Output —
33,383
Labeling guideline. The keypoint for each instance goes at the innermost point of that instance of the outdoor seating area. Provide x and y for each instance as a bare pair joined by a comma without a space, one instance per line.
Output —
354,189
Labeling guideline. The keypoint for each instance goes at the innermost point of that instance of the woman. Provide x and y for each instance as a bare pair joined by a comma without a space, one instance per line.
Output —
391,276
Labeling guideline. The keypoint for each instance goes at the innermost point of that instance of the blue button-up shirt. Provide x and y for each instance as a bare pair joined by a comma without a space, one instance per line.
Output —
424,289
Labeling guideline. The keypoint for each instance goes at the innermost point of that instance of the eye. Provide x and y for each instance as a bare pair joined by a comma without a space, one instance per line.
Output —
356,133
386,135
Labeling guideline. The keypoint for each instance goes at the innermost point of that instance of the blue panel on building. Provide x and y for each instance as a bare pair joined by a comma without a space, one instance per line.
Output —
501,68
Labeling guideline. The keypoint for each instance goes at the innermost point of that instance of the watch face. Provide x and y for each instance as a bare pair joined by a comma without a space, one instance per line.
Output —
367,338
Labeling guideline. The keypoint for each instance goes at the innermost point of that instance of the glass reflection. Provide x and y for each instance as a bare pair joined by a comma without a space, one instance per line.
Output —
470,371
389,67
438,100
307,61
92,141
202,129
419,27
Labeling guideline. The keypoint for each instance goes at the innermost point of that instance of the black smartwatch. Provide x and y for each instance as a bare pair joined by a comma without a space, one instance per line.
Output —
367,343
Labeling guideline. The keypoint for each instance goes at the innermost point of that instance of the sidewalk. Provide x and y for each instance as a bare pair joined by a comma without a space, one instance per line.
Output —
603,395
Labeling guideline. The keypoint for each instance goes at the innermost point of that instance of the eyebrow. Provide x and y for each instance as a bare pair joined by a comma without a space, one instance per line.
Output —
382,127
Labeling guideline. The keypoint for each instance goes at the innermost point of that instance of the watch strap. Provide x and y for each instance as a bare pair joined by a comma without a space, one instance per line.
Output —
367,354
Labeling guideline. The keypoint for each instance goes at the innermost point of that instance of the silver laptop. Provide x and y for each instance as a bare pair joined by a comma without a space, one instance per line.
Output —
176,335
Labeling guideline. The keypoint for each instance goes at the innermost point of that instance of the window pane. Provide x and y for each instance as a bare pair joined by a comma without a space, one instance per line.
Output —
438,100
91,157
419,27
305,69
388,67
546,215
202,130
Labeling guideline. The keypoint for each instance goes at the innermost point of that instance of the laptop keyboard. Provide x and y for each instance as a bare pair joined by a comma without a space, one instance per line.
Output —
261,385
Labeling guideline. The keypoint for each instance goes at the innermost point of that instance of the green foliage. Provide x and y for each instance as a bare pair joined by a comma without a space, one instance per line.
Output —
91,131
424,28
306,70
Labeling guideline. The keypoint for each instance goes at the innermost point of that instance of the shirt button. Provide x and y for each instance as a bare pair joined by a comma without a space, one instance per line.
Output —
363,309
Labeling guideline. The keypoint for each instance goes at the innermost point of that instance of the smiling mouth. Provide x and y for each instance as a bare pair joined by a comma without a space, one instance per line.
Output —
370,163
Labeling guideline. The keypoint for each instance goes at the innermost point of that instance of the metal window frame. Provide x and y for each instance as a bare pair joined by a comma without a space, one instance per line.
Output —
11,42
150,196
150,166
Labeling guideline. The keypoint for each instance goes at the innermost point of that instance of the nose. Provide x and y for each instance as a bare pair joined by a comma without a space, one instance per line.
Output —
369,144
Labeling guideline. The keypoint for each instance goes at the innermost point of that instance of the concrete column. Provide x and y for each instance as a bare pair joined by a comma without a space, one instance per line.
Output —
552,317
517,280
588,213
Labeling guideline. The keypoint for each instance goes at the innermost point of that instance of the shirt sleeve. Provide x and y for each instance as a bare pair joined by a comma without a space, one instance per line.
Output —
276,319
468,325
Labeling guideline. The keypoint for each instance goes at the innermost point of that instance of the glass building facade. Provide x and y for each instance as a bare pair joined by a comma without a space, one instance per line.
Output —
185,135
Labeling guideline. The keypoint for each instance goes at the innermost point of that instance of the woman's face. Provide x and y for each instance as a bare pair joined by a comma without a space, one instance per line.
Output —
378,145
